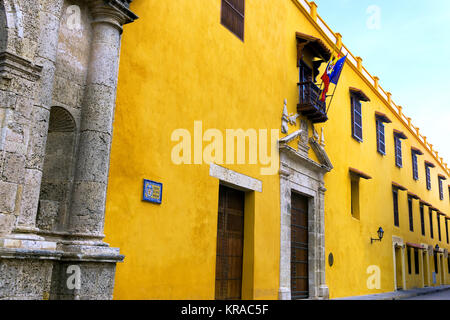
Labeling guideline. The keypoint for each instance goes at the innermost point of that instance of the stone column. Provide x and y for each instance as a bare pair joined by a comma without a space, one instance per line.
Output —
284,292
91,178
323,287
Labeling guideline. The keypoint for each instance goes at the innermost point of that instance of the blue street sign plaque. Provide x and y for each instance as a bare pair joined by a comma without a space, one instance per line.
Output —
153,191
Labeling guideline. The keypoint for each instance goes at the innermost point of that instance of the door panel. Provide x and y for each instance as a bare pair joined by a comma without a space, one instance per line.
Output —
299,247
230,243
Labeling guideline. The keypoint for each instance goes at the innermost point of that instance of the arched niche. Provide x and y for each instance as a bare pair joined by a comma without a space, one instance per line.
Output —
57,179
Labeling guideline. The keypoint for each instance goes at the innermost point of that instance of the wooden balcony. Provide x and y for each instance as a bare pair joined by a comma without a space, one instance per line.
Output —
310,105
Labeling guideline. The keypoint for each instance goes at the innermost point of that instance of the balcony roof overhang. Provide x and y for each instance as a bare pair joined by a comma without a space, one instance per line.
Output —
316,45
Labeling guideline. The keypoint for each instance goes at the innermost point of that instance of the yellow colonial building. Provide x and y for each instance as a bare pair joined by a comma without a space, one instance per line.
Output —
231,179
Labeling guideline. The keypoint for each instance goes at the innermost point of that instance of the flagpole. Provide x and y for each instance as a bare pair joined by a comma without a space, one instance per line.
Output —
332,97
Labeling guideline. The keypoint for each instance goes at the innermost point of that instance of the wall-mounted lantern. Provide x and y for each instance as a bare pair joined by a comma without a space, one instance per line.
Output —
380,236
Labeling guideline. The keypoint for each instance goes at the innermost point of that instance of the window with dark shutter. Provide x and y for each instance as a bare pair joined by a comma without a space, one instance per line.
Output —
398,152
436,267
381,120
416,261
398,137
430,212
409,260
357,129
381,142
441,189
422,219
411,217
439,226
414,155
396,217
428,174
233,14
428,166
446,229
448,264
415,166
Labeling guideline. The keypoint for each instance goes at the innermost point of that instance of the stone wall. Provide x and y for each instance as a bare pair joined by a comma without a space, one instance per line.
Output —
58,77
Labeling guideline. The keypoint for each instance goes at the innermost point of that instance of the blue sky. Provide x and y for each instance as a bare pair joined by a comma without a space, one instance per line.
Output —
409,51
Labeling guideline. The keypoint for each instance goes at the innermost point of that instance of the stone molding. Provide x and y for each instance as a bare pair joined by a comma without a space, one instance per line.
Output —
235,179
12,64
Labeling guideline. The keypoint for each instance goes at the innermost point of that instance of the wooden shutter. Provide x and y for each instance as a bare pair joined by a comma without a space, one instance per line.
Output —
409,259
396,218
415,166
422,219
411,218
357,129
430,212
446,229
381,144
416,261
441,189
439,226
428,174
436,268
233,14
448,264
398,152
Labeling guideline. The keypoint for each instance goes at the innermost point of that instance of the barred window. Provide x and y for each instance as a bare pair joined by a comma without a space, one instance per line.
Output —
381,143
357,128
398,152
232,18
428,175
415,166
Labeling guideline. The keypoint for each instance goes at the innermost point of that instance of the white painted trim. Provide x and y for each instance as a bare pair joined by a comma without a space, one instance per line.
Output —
234,178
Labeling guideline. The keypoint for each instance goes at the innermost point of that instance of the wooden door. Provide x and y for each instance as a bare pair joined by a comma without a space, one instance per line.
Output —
399,267
299,247
230,244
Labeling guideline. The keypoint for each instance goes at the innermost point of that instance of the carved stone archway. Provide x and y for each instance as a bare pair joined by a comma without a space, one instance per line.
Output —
300,174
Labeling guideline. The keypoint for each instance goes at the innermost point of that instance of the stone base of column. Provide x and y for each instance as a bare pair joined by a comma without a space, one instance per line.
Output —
32,268
324,292
284,294
85,272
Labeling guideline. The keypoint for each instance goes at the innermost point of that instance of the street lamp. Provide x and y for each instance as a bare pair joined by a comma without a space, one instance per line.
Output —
380,236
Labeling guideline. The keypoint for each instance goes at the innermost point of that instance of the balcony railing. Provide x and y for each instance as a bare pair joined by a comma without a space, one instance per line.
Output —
310,104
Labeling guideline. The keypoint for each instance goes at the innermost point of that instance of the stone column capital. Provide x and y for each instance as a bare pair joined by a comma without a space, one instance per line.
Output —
114,12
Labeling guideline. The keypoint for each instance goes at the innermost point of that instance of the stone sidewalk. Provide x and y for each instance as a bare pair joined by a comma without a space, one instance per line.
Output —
399,295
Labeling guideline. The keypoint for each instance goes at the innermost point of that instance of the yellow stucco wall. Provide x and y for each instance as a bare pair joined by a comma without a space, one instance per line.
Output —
179,65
